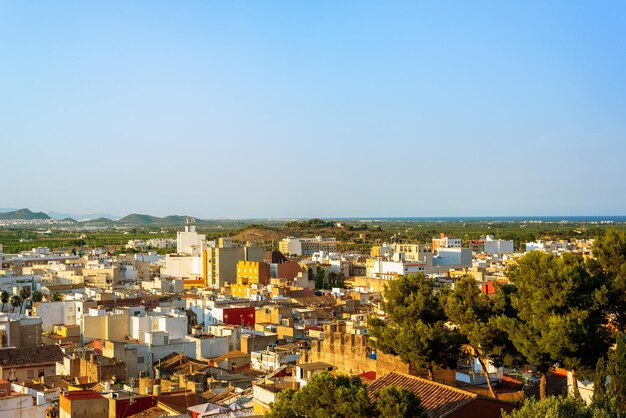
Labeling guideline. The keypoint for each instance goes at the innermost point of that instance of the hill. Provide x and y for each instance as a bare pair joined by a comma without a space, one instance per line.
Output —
258,234
81,217
174,220
99,222
23,214
139,219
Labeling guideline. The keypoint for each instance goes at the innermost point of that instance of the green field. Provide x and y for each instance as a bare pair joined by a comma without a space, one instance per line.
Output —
353,236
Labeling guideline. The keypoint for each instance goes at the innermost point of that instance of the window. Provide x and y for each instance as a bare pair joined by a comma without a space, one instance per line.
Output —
41,372
30,374
139,360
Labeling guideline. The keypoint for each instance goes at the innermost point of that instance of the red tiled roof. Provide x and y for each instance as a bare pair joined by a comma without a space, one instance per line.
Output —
438,399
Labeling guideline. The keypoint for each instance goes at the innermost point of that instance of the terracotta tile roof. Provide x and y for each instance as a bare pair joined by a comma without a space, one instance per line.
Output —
16,357
178,363
153,412
438,399
230,355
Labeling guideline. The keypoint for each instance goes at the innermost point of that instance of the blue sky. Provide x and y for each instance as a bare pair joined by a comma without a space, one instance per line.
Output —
306,109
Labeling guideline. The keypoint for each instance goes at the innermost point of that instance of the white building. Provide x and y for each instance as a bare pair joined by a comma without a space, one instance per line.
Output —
268,361
164,285
306,246
532,246
454,257
498,246
55,313
160,345
189,241
445,241
187,266
209,346
172,323
392,269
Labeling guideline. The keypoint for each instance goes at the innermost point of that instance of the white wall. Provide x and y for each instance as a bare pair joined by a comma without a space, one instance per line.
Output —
139,325
498,246
187,266
187,240
51,313
209,347
159,351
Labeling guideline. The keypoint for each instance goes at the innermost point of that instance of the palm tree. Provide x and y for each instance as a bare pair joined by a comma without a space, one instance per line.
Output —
37,296
24,295
16,301
4,298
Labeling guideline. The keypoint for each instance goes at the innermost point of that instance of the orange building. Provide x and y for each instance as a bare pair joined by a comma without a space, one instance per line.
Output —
83,403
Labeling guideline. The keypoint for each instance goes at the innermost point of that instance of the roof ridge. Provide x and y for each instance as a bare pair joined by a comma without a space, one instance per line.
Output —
434,383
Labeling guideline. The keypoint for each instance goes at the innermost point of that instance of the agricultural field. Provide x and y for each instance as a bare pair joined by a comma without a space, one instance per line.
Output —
353,235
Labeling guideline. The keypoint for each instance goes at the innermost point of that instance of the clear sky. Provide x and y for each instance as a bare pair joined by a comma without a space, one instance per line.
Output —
314,109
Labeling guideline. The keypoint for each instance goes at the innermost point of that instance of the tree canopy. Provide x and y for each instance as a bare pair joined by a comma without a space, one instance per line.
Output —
415,325
16,301
395,402
37,296
327,396
475,314
561,407
609,263
559,313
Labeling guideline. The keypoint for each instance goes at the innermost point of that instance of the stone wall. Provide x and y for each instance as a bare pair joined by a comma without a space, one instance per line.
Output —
96,371
350,354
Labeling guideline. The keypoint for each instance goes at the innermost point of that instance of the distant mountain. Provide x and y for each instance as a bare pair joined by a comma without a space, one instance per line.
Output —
149,220
134,219
98,222
23,214
175,220
83,216
140,219
3,210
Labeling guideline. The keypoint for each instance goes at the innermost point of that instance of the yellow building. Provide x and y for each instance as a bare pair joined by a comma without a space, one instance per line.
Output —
250,273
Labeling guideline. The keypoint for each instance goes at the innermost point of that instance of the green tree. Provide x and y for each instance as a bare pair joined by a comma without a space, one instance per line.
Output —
4,298
609,263
57,297
25,293
609,384
16,301
552,407
415,325
325,396
475,314
559,314
330,280
320,278
617,372
328,396
392,402
341,281
37,296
